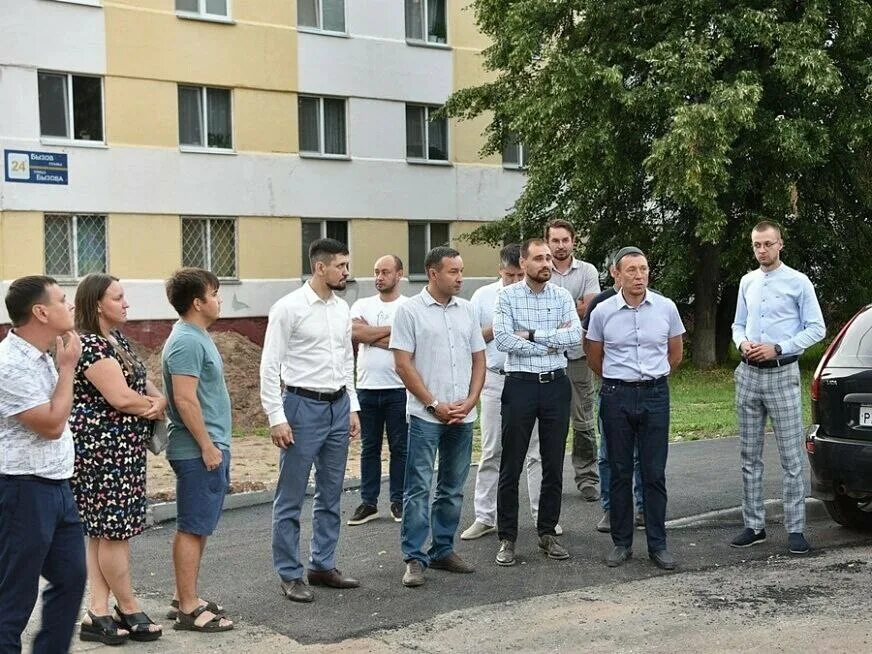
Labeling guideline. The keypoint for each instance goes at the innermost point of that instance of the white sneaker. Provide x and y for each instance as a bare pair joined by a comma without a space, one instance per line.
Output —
477,530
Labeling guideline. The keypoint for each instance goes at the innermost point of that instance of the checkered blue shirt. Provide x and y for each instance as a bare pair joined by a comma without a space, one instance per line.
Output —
518,309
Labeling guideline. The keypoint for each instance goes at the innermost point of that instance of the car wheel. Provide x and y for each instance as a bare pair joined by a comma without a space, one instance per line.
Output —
845,511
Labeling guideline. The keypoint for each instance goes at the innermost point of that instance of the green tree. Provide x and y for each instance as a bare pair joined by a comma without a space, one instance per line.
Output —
677,126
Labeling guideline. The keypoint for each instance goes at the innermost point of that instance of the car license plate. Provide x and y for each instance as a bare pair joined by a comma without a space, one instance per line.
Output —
865,415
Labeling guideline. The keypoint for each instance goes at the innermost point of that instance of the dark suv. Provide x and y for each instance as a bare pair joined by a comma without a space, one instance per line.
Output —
839,443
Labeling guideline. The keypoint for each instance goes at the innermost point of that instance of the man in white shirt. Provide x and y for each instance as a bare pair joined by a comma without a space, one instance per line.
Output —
380,391
307,349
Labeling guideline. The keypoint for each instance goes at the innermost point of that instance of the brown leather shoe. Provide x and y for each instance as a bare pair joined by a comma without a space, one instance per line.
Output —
332,578
296,590
452,563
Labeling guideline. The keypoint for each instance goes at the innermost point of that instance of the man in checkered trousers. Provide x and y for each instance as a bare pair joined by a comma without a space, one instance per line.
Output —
777,318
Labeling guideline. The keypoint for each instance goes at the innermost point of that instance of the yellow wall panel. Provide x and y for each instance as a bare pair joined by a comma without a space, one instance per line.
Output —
463,32
371,239
265,121
144,246
141,112
272,12
269,248
21,244
478,260
467,139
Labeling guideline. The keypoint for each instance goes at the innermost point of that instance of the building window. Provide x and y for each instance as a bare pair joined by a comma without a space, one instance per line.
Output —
423,237
205,119
315,229
204,8
514,153
426,21
325,15
75,245
322,126
210,243
70,106
426,137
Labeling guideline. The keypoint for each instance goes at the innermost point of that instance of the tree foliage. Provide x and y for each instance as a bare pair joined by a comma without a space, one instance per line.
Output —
677,126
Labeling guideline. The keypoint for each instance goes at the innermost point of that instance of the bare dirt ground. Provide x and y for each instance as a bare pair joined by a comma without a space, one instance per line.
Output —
254,457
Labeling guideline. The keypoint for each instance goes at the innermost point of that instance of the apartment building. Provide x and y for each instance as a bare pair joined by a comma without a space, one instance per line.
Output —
142,135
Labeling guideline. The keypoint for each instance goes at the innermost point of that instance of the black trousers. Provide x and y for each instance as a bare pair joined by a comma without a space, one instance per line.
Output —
524,402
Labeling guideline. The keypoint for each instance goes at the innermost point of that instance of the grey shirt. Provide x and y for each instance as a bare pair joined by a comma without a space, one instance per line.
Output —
581,279
442,340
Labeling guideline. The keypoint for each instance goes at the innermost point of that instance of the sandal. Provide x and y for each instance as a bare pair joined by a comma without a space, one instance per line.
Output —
187,622
101,630
173,613
138,624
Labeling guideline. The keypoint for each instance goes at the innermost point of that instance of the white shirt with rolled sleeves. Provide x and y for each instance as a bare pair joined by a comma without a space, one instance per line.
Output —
580,279
442,340
375,365
635,339
27,380
307,345
484,301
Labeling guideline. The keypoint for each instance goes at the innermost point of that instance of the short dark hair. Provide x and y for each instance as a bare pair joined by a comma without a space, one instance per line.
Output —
23,294
189,284
510,255
767,224
89,292
434,257
525,247
559,223
324,249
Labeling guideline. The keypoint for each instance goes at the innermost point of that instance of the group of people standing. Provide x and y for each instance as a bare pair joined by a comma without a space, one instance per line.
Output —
73,429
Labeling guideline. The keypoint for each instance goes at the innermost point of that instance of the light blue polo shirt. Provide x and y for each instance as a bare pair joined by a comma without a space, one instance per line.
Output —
635,339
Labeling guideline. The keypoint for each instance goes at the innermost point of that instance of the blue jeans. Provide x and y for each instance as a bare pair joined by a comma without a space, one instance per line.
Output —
606,474
320,439
454,445
382,409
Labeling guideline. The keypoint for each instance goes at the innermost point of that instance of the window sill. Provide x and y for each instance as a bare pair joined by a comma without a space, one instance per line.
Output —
207,18
429,162
515,168
230,281
418,43
319,155
84,3
305,29
70,143
193,149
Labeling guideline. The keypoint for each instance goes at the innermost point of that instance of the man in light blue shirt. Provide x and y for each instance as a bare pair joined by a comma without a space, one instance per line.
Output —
777,318
634,340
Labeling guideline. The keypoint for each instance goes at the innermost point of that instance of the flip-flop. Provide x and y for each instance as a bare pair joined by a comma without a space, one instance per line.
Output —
173,613
138,624
187,622
101,630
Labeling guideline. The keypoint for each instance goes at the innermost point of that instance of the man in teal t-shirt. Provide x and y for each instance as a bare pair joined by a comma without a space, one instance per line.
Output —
200,432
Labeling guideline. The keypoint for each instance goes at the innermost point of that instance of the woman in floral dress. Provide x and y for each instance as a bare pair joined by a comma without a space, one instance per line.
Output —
114,405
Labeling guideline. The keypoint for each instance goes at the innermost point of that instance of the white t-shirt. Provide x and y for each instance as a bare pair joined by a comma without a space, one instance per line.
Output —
484,300
375,366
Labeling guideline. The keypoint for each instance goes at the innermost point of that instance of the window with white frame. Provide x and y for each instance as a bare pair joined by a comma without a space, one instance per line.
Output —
426,21
423,237
70,106
315,229
204,8
74,245
325,15
426,136
322,126
210,243
205,117
514,153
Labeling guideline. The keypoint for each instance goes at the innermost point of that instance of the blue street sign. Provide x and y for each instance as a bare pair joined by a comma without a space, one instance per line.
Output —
36,167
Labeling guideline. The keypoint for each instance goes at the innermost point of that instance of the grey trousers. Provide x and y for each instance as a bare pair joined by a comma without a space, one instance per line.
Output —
584,449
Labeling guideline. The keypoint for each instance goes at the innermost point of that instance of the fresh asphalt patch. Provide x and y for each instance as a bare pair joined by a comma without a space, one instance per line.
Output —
237,572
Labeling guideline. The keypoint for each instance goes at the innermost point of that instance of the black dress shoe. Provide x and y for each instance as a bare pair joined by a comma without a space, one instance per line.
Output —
618,555
332,578
296,590
663,559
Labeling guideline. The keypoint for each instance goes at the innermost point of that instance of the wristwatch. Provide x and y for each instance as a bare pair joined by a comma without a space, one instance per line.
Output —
531,335
777,350
431,408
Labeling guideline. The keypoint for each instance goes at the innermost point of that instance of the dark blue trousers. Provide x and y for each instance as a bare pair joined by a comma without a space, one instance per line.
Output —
381,410
40,534
637,417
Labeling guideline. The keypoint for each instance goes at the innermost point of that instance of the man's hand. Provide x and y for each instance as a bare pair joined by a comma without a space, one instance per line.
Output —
212,457
580,307
157,409
459,410
281,435
761,352
353,425
360,320
383,343
523,333
443,412
68,353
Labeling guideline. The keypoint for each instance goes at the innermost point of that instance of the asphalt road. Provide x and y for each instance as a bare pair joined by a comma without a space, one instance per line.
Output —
702,477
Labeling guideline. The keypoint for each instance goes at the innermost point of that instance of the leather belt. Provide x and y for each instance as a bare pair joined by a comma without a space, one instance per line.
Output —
642,383
43,480
541,377
315,395
772,363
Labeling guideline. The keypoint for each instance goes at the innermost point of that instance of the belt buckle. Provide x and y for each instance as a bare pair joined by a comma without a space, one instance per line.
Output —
545,377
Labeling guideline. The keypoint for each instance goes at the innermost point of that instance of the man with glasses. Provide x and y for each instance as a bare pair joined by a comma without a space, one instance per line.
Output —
777,318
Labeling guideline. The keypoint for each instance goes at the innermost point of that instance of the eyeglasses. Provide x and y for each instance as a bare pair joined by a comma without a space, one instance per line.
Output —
764,246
